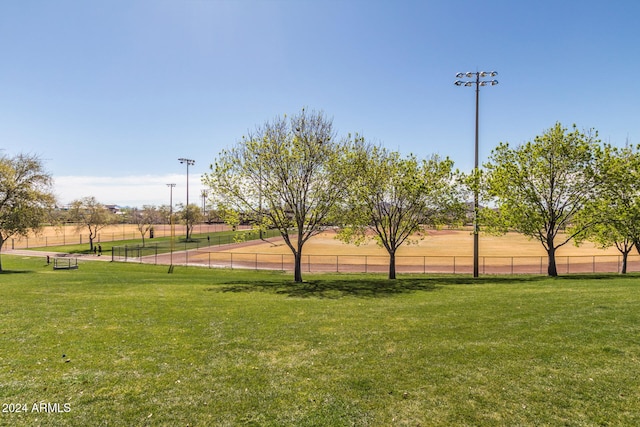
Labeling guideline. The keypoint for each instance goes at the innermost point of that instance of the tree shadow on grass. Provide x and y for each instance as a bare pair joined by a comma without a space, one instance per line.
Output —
332,288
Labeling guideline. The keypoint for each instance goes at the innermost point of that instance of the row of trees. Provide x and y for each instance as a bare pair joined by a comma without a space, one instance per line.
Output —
27,202
296,175
92,216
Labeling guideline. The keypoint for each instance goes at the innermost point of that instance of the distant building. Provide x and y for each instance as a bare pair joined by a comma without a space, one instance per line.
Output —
114,209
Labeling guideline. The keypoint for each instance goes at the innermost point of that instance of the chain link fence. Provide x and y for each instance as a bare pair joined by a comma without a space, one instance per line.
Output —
69,234
204,257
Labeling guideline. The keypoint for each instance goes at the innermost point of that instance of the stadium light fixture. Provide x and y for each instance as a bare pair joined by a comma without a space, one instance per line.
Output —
477,82
189,162
171,200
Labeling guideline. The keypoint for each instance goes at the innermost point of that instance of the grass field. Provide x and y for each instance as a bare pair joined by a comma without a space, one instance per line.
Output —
129,344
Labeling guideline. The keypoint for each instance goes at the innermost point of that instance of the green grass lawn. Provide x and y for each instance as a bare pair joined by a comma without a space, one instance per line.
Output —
130,345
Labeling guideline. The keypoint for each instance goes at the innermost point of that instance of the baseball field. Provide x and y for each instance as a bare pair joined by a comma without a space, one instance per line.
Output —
435,251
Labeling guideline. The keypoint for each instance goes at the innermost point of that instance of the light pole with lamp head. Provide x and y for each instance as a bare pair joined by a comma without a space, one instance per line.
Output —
189,162
477,82
173,230
171,201
204,194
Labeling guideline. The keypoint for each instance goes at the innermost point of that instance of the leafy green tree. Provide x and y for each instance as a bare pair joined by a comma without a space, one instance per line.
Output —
190,216
397,198
92,215
26,197
616,212
540,187
289,174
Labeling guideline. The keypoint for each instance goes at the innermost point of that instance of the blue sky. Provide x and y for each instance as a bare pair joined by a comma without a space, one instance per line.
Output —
110,93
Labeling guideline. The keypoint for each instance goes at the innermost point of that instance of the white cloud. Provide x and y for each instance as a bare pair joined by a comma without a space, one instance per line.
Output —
132,190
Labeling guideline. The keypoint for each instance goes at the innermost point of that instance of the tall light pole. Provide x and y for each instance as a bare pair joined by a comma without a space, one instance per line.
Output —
171,201
477,82
173,230
204,195
189,162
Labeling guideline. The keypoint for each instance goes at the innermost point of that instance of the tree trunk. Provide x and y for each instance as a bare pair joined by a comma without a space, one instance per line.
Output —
392,265
625,255
1,245
297,276
552,270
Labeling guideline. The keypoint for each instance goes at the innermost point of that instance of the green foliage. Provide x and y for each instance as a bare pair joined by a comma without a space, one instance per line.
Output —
26,198
219,347
289,175
615,213
540,188
191,215
397,197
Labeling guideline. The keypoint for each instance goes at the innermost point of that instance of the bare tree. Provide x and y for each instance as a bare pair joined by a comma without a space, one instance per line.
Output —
92,215
145,218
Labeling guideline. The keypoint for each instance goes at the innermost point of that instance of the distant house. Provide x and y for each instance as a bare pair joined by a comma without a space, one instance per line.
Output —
114,209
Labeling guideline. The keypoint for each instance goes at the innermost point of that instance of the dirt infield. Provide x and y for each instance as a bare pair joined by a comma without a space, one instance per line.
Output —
435,243
438,251
444,251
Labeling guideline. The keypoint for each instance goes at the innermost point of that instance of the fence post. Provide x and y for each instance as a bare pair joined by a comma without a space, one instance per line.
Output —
540,265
